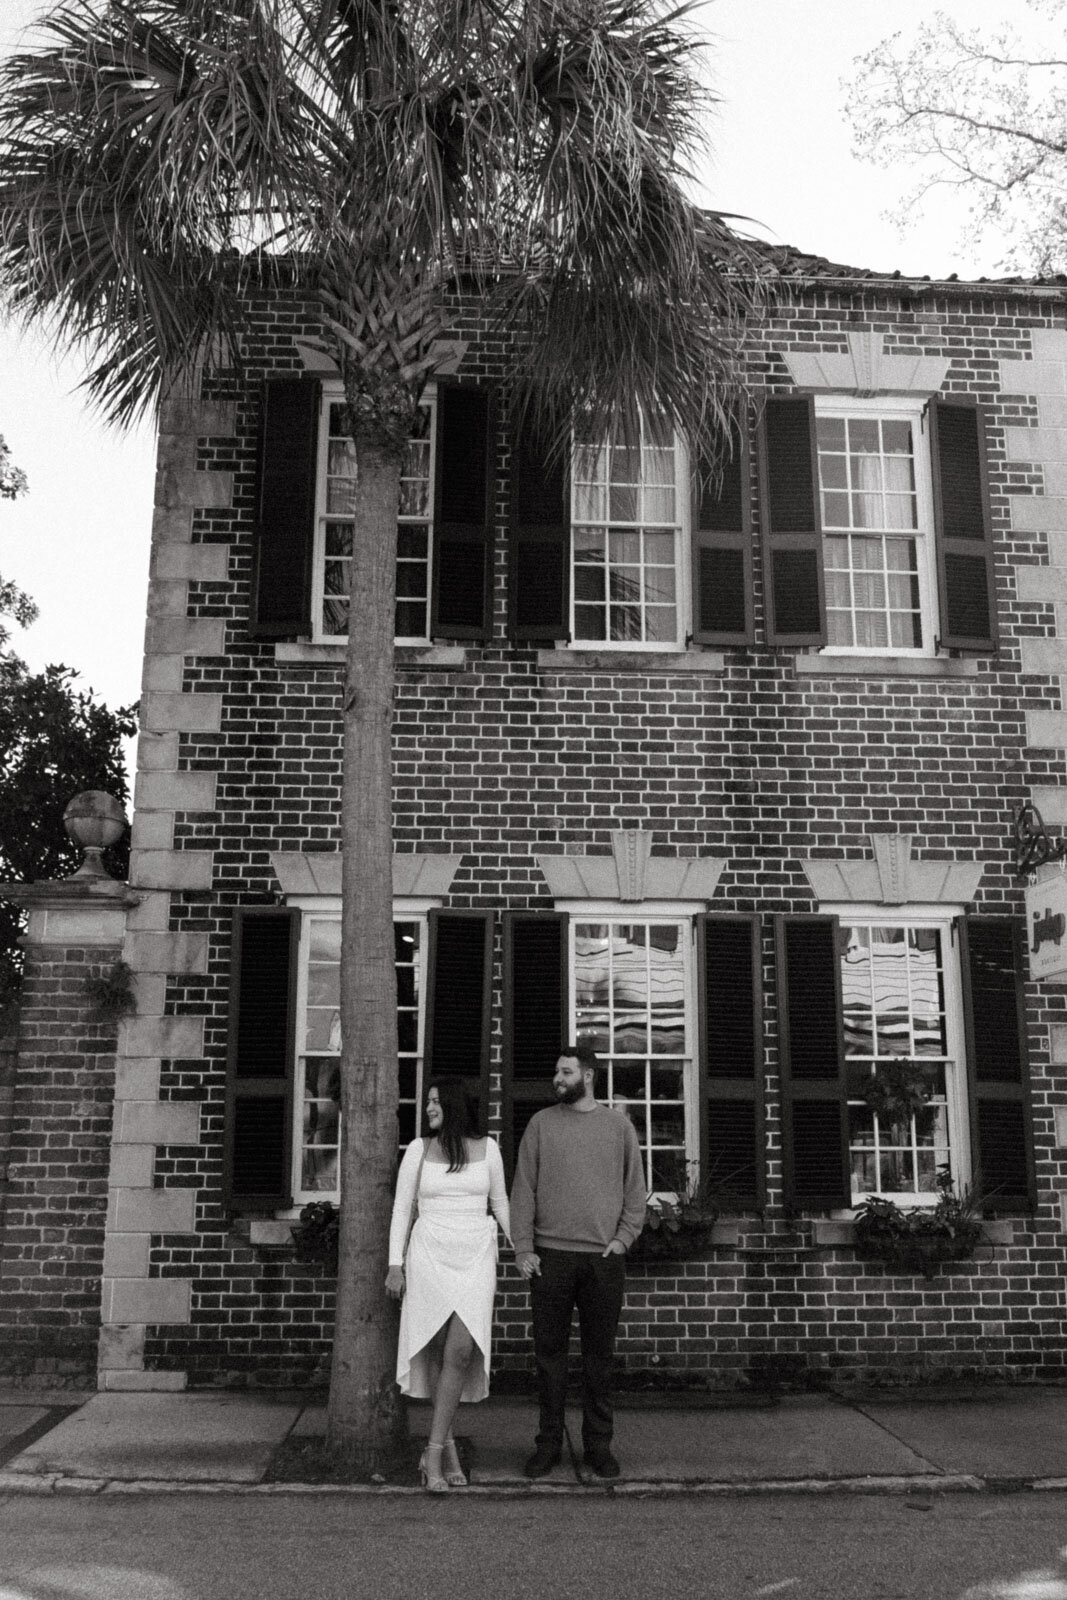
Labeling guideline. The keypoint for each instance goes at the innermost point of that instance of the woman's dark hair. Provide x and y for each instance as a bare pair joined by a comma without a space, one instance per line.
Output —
458,1120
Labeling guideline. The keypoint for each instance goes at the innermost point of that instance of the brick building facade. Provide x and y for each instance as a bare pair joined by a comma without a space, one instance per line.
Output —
719,773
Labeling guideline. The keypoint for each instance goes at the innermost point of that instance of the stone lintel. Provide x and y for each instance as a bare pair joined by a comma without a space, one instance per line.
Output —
310,872
665,877
893,877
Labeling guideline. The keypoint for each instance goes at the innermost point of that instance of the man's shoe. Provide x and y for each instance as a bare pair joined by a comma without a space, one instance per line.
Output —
602,1462
544,1458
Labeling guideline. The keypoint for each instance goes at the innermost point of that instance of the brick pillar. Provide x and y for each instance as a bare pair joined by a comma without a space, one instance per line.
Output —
62,1089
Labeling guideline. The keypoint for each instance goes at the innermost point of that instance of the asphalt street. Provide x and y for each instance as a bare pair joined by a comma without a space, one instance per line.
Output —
330,1547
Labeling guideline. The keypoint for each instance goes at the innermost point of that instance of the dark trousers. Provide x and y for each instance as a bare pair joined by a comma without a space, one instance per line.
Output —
595,1284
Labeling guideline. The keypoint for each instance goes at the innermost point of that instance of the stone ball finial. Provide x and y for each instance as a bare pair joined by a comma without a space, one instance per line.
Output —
94,820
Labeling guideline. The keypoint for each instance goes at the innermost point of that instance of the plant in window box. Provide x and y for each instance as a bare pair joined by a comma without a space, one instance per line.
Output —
315,1235
920,1239
679,1219
897,1091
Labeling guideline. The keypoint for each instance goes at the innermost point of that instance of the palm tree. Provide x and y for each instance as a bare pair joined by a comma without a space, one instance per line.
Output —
158,158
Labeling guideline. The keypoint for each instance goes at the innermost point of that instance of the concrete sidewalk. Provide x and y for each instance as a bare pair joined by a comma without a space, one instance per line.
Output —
119,1443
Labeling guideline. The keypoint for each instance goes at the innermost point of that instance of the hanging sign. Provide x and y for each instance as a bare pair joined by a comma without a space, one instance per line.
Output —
1046,927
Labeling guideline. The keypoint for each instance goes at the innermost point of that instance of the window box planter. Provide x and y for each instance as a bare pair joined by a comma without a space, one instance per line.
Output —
920,1241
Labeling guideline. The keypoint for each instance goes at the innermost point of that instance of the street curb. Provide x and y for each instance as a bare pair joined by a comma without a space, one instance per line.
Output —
926,1486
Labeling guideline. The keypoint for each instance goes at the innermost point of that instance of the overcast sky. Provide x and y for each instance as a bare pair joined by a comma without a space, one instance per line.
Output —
781,154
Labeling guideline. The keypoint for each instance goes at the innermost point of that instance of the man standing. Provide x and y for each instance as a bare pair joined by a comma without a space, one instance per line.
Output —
577,1204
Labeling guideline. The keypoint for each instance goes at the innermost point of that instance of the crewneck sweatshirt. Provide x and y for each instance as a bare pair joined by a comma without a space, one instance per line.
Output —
579,1182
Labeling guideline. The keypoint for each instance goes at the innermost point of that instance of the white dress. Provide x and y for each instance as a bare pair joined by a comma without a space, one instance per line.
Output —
451,1260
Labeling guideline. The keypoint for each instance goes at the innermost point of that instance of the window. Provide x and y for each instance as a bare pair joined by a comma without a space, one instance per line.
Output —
631,981
628,515
876,511
335,529
901,1011
875,525
318,1086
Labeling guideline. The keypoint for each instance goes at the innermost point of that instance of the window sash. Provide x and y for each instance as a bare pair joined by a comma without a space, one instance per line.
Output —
324,1047
415,525
950,1144
643,542
623,1069
863,562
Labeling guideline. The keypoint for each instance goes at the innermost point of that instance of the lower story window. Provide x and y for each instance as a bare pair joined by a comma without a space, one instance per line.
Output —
631,982
318,1077
900,996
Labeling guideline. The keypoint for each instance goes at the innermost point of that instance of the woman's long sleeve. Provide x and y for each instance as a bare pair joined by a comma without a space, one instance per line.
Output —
403,1201
498,1190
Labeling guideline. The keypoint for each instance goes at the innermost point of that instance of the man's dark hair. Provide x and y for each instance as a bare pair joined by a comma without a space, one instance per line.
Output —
583,1053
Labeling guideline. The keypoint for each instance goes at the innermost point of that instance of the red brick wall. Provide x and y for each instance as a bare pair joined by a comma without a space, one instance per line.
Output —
502,760
52,1234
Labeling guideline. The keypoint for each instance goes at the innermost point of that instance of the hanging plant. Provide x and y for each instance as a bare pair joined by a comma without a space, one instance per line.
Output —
316,1234
920,1239
897,1091
112,996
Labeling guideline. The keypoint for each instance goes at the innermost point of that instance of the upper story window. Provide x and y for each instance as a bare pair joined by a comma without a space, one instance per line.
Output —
335,529
306,533
875,501
876,525
629,518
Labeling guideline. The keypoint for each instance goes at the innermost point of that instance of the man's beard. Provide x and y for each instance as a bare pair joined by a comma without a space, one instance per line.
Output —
569,1093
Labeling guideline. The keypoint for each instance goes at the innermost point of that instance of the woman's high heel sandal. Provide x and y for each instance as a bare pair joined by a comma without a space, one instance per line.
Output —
455,1476
430,1469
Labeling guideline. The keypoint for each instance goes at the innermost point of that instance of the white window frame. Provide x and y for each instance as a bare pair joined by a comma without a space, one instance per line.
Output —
914,409
683,913
333,394
946,920
327,908
683,503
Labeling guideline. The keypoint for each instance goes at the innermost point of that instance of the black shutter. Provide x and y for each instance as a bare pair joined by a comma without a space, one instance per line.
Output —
285,508
459,1000
998,1078
962,526
722,549
461,606
536,1023
811,1055
790,522
257,1170
540,549
731,1055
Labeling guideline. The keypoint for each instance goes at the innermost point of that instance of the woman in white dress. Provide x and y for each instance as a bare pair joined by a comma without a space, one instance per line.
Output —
446,1280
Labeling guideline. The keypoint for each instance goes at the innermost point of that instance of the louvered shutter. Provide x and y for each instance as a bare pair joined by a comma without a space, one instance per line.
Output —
257,1172
536,1024
459,1000
790,522
962,526
285,508
731,1055
461,606
998,1079
811,1056
722,549
540,546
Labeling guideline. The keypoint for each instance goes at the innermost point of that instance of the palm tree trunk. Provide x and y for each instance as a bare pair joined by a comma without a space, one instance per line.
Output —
366,1423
